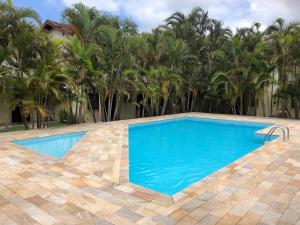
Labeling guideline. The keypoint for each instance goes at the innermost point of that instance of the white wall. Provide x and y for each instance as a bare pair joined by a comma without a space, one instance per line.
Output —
56,34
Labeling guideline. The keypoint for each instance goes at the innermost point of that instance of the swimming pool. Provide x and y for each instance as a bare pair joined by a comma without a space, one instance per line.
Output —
168,156
55,145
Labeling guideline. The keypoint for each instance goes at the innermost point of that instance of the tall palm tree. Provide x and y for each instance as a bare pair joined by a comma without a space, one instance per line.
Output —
85,21
280,37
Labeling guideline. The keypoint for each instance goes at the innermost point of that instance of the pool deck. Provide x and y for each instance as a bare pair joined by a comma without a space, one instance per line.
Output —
90,184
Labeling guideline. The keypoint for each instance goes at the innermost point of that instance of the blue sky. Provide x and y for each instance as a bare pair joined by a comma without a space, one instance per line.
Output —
150,13
44,8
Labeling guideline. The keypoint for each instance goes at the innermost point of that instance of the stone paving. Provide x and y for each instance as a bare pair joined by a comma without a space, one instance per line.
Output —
90,184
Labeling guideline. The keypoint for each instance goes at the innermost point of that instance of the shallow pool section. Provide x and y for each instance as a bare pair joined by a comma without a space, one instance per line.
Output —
168,156
56,145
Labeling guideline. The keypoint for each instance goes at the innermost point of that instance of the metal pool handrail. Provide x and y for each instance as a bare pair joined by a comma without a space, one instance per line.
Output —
285,131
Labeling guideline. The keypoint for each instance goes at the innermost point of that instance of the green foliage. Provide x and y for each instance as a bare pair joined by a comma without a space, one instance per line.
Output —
189,63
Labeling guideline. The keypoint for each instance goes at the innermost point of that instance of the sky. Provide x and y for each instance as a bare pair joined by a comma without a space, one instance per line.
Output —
150,13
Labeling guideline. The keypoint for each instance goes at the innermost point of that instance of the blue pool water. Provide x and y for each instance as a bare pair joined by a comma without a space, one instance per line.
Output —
168,156
55,145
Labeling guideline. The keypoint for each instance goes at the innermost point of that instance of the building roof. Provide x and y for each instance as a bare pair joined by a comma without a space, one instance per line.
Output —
65,29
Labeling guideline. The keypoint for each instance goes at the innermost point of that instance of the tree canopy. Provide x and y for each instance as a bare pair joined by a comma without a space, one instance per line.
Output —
189,63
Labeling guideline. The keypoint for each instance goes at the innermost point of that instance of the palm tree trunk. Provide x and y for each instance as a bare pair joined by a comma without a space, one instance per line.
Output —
233,109
183,105
70,118
24,119
109,109
267,97
165,104
32,120
8,117
144,105
76,112
100,106
263,107
296,106
105,112
188,102
241,105
38,119
117,105
271,99
194,98
90,106
143,111
80,115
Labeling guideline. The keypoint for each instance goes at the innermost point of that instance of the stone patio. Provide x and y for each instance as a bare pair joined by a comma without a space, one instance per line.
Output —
90,184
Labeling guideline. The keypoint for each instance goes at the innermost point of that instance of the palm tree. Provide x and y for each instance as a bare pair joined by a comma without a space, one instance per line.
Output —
280,37
114,48
79,67
196,23
85,21
234,80
20,61
192,62
17,48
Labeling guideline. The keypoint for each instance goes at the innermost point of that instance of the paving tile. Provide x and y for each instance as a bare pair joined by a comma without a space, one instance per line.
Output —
125,188
188,220
270,218
103,222
250,219
279,207
206,196
192,205
61,214
90,184
134,217
3,201
199,213
208,220
37,200
179,214
259,208
143,195
229,219
163,220
290,216
16,215
87,217
146,221
5,220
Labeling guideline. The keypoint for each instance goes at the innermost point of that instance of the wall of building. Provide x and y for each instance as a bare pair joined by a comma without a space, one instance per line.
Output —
267,100
128,107
56,34
5,114
127,111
